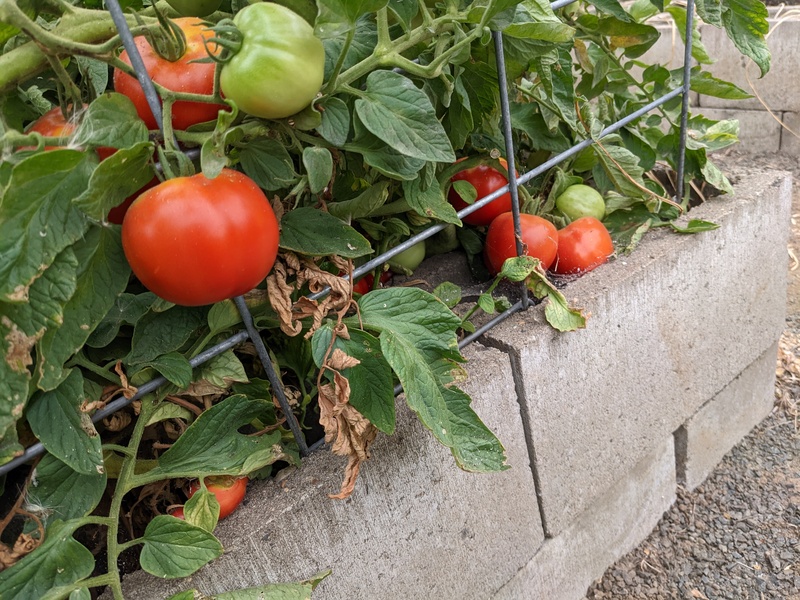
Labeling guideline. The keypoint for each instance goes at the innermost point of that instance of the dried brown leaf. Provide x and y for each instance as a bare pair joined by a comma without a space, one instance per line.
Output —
280,297
339,360
24,545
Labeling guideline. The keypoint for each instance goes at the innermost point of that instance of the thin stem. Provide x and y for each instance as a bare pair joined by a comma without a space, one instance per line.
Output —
80,360
339,63
384,39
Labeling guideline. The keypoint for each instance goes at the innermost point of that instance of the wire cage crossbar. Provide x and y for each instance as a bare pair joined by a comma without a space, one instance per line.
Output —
251,332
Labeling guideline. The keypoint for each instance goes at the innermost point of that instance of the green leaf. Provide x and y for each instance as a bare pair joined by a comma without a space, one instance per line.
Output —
371,385
168,410
313,232
745,22
217,375
628,226
103,273
59,562
466,190
175,367
405,10
158,333
699,52
527,118
96,73
715,177
621,166
335,126
535,19
339,16
268,164
558,85
635,38
486,303
202,510
174,548
223,316
361,46
37,217
120,175
8,31
64,491
362,205
401,115
111,121
612,7
704,83
273,591
417,337
430,202
127,310
63,430
449,293
694,226
212,445
318,163
383,158
710,11
519,268
557,311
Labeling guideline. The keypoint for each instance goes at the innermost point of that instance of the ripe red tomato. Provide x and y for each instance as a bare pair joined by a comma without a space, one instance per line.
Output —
582,245
195,241
228,490
117,214
181,75
485,180
52,124
539,236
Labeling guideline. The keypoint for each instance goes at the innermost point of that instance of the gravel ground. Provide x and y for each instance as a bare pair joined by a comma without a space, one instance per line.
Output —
736,536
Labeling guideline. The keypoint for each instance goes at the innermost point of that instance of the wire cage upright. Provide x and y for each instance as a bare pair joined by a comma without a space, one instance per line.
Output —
251,333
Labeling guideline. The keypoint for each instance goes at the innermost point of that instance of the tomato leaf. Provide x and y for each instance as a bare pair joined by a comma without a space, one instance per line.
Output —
536,20
120,175
37,217
371,386
202,509
212,445
335,126
612,7
63,430
175,367
64,491
127,310
268,164
694,226
559,314
417,338
111,121
704,83
362,205
340,16
59,562
158,333
318,163
273,591
103,273
431,202
217,375
381,157
745,22
174,548
316,233
401,115
449,293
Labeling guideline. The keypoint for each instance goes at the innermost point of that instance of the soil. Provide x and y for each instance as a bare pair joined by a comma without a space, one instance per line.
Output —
737,535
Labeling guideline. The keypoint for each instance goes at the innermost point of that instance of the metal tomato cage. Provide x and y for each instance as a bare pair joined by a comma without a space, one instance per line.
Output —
250,332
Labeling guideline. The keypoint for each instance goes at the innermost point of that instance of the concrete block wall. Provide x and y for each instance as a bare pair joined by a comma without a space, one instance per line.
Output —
777,91
600,426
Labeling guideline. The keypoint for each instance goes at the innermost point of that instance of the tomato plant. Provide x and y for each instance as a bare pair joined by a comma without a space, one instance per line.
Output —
583,245
195,8
195,241
485,180
539,237
184,75
278,69
581,201
229,492
407,261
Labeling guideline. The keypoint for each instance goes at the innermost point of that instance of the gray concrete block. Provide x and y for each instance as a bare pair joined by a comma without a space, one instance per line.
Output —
702,442
790,140
778,88
612,526
416,526
758,130
671,325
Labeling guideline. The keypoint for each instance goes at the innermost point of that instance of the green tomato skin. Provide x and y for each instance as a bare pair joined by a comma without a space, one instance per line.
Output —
278,70
195,8
408,260
581,201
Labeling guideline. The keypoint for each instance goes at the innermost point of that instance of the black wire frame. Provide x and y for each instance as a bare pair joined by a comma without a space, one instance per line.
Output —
251,332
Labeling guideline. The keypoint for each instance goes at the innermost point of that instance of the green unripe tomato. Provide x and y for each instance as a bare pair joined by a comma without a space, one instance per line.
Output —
408,260
581,201
195,8
278,70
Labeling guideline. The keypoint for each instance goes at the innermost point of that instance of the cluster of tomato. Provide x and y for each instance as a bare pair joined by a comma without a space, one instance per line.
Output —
577,248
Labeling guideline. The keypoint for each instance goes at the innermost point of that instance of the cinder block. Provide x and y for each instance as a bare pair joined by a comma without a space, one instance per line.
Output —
612,526
719,424
416,526
790,142
671,325
758,130
778,88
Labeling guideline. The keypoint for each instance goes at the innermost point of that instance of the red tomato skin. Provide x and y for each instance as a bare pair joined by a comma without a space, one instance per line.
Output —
485,180
229,495
52,124
583,245
117,214
195,241
179,76
539,236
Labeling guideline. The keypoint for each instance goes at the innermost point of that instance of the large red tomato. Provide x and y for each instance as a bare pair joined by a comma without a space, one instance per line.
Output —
229,491
181,75
195,241
582,245
485,180
539,236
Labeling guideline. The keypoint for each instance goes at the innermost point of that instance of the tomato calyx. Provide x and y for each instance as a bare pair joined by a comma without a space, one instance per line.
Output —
226,36
168,41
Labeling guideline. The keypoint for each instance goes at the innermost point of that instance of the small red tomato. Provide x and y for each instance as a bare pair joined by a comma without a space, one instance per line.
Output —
52,124
539,237
582,245
485,180
229,491
177,512
182,75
